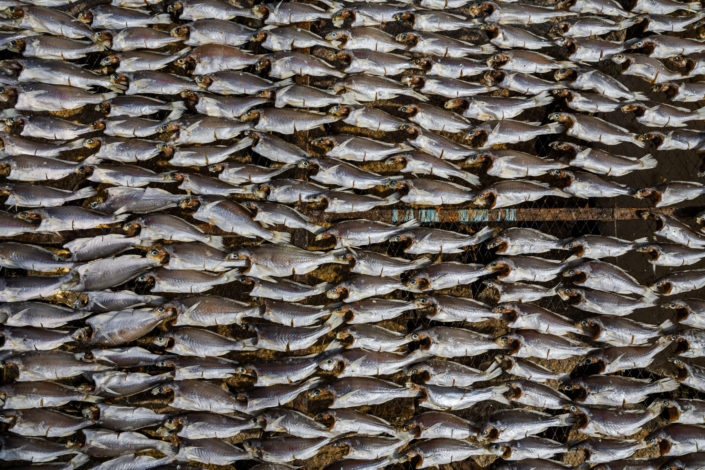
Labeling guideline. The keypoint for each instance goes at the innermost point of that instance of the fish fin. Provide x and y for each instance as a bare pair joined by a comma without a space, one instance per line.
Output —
487,48
543,99
499,397
281,237
241,144
641,240
216,242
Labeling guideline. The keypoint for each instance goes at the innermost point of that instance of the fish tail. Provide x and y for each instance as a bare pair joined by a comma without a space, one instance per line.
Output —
667,385
162,18
315,229
241,144
693,6
84,193
667,325
543,99
281,237
177,109
639,96
566,64
108,96
231,275
627,22
417,95
321,286
348,98
92,398
487,48
422,261
554,128
285,82
498,396
648,161
493,371
485,234
413,223
470,178
567,419
216,242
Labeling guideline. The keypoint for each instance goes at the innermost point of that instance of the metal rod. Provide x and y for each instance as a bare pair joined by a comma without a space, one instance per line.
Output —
429,215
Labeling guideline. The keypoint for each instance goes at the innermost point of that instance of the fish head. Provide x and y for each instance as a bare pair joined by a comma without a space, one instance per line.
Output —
186,62
325,419
95,202
83,334
508,342
119,79
104,38
399,159
259,36
339,110
320,393
340,16
334,364
498,60
323,236
421,62
401,238
97,125
146,280
410,109
575,391
479,8
182,32
498,266
85,17
395,184
409,430
663,286
670,89
569,294
403,16
417,283
420,339
325,143
175,8
337,38
168,127
162,389
620,59
486,198
30,216
671,410
159,256
252,115
5,189
190,203
7,94
110,61
680,61
489,433
163,341
103,107
563,74
338,292
502,450
173,423
418,372
408,38
633,108
92,143
559,29
426,302
12,13
456,103
307,164
204,81
91,412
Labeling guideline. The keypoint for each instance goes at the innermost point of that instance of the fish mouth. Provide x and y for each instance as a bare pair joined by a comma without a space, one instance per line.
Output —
346,339
579,394
664,288
325,419
500,246
492,434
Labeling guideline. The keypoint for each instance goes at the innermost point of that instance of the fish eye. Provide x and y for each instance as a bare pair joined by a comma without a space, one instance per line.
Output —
155,252
639,44
94,204
573,408
160,309
571,272
316,392
568,290
584,323
414,336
